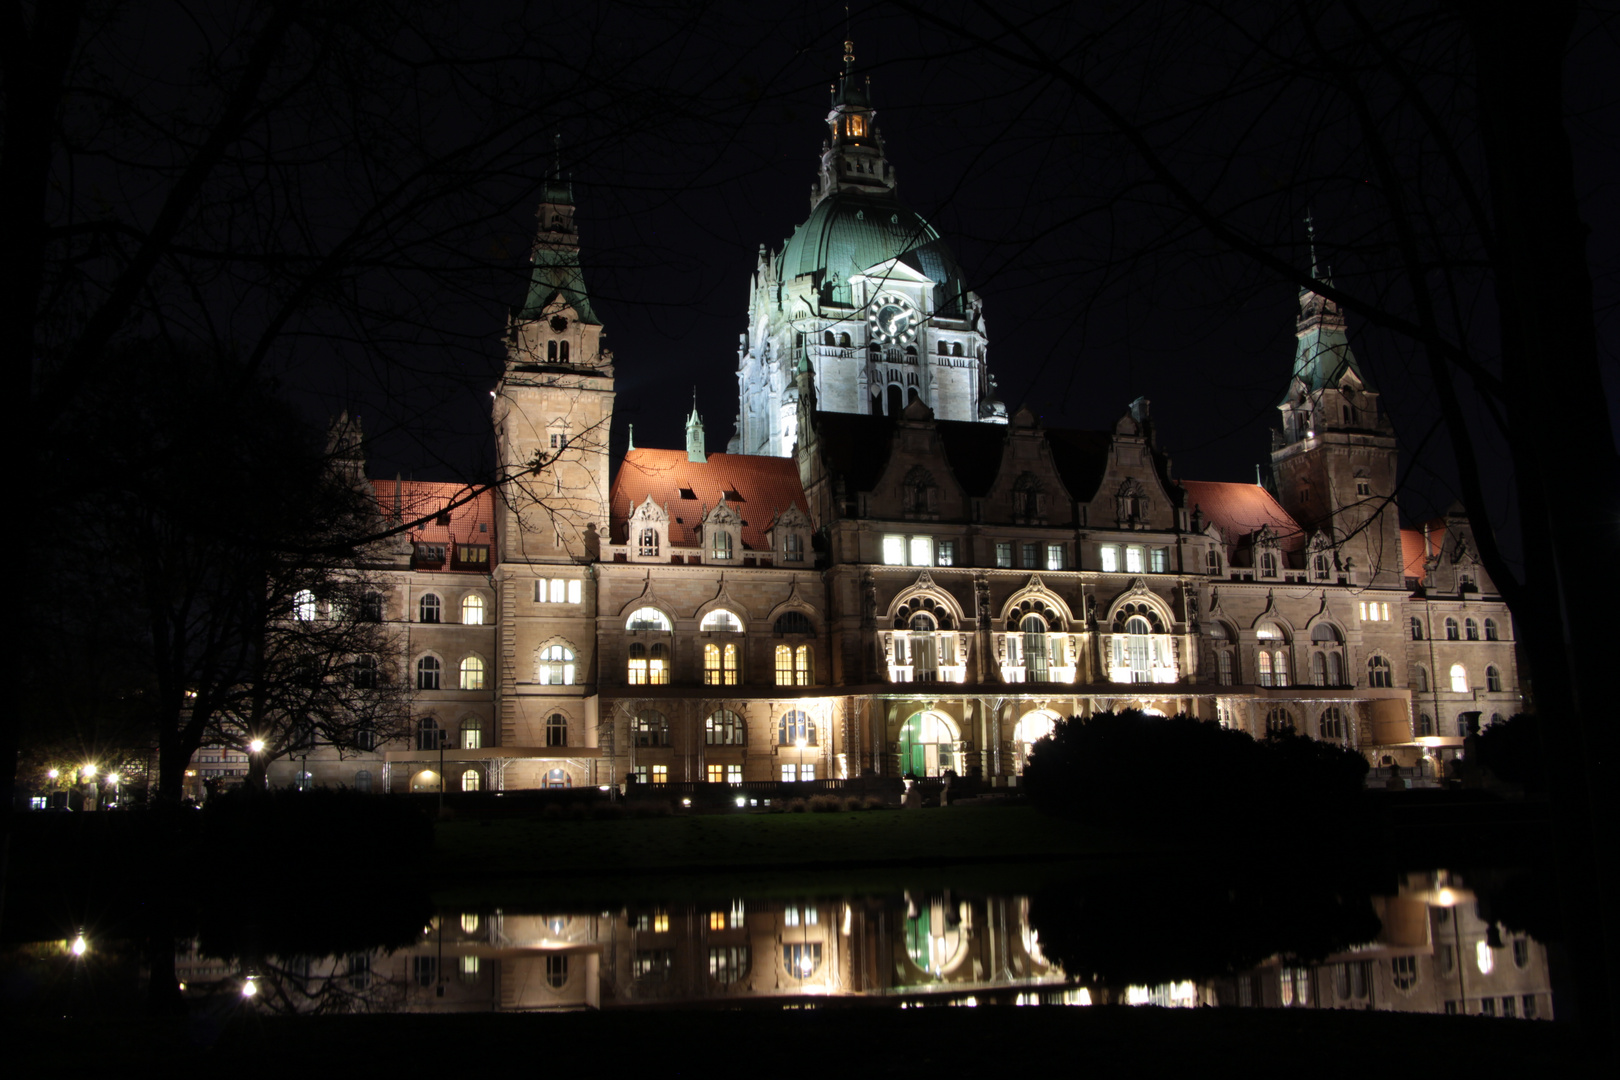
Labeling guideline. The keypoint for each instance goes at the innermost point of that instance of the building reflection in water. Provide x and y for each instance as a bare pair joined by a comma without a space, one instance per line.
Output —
1433,954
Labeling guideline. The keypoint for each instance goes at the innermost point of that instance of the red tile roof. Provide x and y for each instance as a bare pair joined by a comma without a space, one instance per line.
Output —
473,522
1240,509
756,487
1412,553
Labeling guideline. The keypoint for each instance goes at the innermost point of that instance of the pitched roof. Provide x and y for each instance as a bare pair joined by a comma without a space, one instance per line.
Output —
473,522
1413,555
1240,509
758,488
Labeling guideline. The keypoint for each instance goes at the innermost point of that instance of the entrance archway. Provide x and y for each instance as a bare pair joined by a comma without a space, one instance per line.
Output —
426,780
1032,727
928,744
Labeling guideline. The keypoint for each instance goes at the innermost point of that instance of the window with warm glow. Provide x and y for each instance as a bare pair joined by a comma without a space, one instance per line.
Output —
723,728
894,551
472,673
1459,679
922,551
1133,560
801,666
472,733
648,618
1109,557
556,666
784,665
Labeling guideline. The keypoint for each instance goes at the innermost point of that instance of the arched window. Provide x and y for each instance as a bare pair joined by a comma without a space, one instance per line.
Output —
1471,630
843,341
944,349
364,672
472,610
427,673
556,666
722,621
1490,630
1223,666
1420,678
562,351
362,781
1417,628
472,733
428,609
802,673
1425,724
1327,664
928,745
723,728
1033,627
304,606
470,780
827,338
556,730
794,622
956,348
719,664
428,733
647,547
551,350
1279,721
1459,679
1138,648
651,728
1378,672
1332,725
637,665
472,673
1264,665
1032,728
1452,632
648,618
658,664
784,665
1493,680
1319,669
796,728
557,778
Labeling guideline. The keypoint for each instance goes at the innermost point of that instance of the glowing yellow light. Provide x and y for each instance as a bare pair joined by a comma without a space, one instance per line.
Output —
1137,995
1084,997
1445,898
257,746
79,946
1483,958
686,803
801,743
53,774
89,772
112,778
742,800
249,988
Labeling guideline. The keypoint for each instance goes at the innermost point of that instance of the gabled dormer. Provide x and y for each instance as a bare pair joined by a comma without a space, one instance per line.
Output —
649,532
789,535
720,532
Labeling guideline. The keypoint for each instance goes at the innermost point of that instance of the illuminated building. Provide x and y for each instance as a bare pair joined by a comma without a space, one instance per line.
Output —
888,574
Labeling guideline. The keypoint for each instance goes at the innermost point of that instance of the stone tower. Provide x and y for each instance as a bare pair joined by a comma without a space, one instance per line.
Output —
1334,462
552,412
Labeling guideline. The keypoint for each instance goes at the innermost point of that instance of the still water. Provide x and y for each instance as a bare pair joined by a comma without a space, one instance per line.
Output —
1427,944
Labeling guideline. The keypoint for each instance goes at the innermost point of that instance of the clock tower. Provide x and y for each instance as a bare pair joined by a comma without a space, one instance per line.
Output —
865,294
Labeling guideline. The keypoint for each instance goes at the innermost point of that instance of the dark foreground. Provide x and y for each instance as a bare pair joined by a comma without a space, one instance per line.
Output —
1105,1041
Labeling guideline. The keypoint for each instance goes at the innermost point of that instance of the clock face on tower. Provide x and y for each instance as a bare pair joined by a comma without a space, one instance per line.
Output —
893,320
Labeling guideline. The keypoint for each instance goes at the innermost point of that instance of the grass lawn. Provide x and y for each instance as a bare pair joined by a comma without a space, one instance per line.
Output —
731,842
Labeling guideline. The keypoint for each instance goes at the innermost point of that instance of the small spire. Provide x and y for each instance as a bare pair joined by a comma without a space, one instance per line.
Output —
632,436
1257,481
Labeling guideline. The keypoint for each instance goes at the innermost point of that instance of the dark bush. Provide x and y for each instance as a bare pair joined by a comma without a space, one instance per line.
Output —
1183,775
1511,749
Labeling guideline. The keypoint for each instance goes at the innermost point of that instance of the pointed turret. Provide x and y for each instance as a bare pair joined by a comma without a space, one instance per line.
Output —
852,158
556,273
694,436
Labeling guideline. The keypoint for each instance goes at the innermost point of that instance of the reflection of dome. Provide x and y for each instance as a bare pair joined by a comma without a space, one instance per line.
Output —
850,232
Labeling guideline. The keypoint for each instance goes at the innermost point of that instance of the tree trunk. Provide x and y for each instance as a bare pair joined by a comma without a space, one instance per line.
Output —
1568,478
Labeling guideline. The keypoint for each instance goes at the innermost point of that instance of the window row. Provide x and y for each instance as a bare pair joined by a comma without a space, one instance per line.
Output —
718,621
429,671
900,550
558,591
1466,630
650,729
430,609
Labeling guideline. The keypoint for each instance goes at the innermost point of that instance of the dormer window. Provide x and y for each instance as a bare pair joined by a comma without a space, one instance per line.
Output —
856,127
793,548
720,548
1268,564
647,546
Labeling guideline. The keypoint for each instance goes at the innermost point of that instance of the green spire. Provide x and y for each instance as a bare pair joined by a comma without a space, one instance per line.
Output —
1323,354
556,271
695,450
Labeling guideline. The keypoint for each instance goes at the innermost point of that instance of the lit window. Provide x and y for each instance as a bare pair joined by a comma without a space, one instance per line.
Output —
427,673
945,553
719,665
636,672
428,609
894,551
728,963
1265,668
1133,560
796,727
660,775
790,773
556,730
1054,556
472,610
801,666
1004,555
1159,560
469,782
784,665
922,551
648,618
717,775
802,959
472,733
1459,679
556,666
721,620
304,606
472,673
1110,558
733,774
648,546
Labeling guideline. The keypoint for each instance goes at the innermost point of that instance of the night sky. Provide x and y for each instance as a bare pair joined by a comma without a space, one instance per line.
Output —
1094,293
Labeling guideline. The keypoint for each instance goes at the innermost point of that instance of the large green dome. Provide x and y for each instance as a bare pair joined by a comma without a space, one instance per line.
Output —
849,232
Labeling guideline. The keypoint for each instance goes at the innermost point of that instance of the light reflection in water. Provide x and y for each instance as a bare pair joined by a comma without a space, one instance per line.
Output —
916,949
